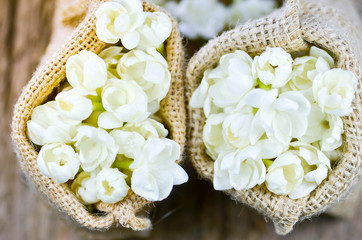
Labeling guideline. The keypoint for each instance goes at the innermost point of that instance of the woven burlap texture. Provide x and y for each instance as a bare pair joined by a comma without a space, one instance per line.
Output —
294,27
47,77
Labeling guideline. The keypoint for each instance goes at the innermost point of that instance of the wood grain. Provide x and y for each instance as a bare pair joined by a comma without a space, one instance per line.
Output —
193,211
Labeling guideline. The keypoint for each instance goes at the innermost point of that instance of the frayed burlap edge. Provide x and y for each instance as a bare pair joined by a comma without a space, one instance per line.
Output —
47,77
280,29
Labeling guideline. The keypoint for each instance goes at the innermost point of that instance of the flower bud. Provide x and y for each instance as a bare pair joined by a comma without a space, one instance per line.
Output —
58,161
111,185
86,72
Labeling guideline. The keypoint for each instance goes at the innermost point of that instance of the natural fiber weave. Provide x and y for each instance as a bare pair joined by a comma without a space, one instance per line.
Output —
294,27
48,77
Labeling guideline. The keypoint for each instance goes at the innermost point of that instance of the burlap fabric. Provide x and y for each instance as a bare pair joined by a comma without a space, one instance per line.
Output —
295,27
128,212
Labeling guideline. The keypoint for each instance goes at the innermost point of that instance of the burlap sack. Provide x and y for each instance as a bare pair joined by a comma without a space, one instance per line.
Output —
295,27
128,212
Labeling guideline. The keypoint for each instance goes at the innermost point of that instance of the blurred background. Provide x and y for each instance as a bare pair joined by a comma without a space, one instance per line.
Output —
193,211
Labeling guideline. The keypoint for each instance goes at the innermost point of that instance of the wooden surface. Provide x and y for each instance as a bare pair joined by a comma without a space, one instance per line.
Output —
193,211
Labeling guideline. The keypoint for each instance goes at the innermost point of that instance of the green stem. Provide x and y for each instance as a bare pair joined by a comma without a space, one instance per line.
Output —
98,106
263,86
123,165
161,49
267,163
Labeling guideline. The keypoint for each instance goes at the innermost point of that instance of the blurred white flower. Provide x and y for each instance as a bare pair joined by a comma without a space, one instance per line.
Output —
96,148
149,69
334,91
155,170
243,168
74,106
243,10
159,2
282,118
111,185
226,84
111,56
124,101
47,125
273,67
155,30
306,68
84,186
86,72
323,127
119,19
199,18
58,161
213,136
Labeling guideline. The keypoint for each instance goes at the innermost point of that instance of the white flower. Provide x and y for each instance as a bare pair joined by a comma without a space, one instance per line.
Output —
58,161
323,127
226,84
213,135
273,67
315,166
306,68
124,101
159,2
84,186
334,91
148,128
96,148
334,155
119,20
155,30
297,172
244,168
155,171
129,143
111,56
202,18
47,125
241,169
285,173
317,52
149,69
111,185
241,129
86,72
282,118
74,106
244,10
201,99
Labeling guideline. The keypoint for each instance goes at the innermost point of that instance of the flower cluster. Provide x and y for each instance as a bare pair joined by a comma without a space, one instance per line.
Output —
273,119
207,18
101,134
125,20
